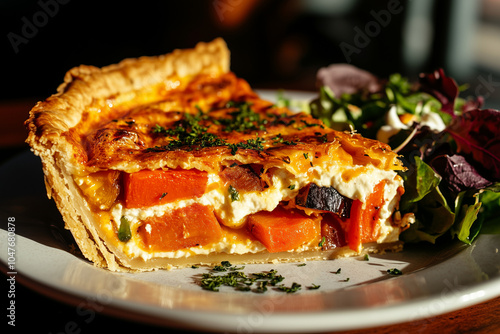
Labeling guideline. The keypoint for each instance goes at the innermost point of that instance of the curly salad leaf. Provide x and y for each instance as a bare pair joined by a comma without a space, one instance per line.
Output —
477,133
443,88
450,146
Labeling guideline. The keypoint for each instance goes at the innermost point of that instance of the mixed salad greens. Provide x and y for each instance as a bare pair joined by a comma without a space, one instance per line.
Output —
450,146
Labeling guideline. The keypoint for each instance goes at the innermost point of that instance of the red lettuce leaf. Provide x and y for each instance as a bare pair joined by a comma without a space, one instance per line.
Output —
347,79
443,88
458,174
471,103
477,132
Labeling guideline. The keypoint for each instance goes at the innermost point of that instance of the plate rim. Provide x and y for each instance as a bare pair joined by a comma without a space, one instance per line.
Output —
294,322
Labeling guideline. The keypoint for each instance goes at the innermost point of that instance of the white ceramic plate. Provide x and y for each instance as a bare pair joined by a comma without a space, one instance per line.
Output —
435,280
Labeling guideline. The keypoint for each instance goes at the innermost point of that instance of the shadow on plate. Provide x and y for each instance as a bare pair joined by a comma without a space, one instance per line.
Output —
25,199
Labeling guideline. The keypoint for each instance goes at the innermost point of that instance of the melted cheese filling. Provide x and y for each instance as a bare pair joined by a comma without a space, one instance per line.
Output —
355,182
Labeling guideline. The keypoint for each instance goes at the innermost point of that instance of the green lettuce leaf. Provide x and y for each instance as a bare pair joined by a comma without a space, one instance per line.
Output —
489,212
419,180
466,216
434,217
477,211
422,196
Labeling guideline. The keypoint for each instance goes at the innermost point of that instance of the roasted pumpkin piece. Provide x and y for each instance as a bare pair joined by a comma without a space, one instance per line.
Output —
154,187
191,226
282,230
363,223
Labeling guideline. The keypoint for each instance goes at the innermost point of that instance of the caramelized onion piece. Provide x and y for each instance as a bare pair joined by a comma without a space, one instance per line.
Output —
332,232
242,178
324,199
100,189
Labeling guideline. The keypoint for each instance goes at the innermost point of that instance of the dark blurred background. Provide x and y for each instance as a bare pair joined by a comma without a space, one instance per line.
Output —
274,43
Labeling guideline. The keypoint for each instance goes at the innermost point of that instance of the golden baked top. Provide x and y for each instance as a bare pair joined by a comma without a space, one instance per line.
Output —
157,112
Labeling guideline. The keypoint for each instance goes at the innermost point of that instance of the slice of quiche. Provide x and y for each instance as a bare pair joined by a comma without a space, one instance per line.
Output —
171,161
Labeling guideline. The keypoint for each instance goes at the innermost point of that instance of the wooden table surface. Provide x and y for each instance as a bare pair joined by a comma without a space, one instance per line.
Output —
53,316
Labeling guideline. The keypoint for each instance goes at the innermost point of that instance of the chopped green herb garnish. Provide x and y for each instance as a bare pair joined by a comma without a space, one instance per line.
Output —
255,282
124,233
294,288
235,195
158,129
308,125
251,144
244,119
261,287
367,257
277,279
323,138
322,242
188,132
238,279
271,276
291,187
163,195
306,156
394,271
278,139
237,268
213,282
219,268
267,275
338,271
